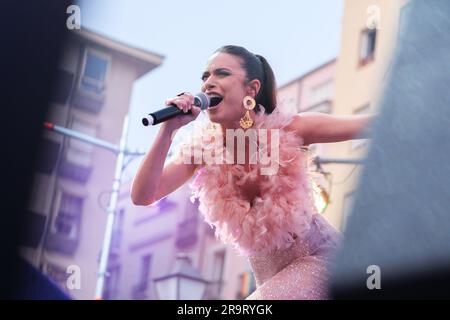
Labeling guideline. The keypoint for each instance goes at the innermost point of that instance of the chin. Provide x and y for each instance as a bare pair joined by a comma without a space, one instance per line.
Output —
220,116
215,116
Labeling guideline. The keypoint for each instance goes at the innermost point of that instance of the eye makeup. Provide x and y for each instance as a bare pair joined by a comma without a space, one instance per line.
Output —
221,72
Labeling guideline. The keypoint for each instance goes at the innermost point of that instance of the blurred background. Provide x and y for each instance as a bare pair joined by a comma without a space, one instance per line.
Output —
121,61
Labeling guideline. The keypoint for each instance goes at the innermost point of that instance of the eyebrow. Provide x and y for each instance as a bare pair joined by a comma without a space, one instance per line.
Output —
207,73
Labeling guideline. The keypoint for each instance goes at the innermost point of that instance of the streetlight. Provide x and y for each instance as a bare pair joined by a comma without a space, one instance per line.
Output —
184,282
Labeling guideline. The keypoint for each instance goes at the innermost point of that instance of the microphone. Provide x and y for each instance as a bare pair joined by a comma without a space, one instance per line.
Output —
201,100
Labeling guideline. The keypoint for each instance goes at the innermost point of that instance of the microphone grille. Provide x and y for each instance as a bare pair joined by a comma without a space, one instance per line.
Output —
202,100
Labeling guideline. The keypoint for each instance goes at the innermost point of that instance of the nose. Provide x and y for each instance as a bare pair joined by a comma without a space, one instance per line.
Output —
208,84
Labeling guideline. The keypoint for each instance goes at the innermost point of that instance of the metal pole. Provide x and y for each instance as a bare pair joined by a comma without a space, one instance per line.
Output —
101,274
82,137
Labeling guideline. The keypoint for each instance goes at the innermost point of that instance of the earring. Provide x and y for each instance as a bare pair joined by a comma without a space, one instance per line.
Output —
249,103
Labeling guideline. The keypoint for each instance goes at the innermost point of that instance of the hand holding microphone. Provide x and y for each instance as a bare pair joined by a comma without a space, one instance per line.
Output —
182,109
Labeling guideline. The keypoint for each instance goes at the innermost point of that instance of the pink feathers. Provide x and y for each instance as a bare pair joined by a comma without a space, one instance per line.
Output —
282,210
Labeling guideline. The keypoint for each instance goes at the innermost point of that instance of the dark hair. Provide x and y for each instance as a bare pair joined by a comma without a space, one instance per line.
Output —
256,67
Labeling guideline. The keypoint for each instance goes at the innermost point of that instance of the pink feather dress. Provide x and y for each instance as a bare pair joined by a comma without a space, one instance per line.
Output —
288,244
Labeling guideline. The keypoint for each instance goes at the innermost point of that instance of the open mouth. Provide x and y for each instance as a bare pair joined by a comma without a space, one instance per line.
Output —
215,99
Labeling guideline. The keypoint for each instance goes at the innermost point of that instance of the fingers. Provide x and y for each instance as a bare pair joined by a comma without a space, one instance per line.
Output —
184,102
196,111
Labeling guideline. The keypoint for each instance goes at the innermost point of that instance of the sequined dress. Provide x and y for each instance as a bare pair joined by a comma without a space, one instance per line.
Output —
288,244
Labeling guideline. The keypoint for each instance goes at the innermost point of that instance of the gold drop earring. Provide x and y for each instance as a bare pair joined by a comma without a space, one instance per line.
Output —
249,103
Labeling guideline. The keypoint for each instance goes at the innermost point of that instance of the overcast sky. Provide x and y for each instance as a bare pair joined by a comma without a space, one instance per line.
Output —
294,35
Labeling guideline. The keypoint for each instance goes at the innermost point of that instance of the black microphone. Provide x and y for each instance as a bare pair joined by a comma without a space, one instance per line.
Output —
201,100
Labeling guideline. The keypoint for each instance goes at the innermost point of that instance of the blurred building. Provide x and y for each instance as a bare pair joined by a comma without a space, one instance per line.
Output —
369,32
73,179
148,239
347,85
313,92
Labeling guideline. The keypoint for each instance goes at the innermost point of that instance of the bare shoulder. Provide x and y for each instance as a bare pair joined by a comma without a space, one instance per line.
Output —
300,124
294,124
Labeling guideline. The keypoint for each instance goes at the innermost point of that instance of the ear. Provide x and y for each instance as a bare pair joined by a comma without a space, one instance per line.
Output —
253,88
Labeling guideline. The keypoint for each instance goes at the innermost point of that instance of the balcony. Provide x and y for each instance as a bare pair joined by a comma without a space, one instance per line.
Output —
75,167
89,95
64,233
61,243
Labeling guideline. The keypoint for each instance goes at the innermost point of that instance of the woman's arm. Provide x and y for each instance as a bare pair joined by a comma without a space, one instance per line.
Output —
153,180
315,127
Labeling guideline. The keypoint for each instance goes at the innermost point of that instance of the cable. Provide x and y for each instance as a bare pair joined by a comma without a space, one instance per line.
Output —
346,178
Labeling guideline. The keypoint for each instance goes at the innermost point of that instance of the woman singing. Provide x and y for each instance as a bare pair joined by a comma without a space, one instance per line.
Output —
264,208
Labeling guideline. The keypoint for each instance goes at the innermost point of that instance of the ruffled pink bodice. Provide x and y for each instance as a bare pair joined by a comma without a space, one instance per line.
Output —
283,208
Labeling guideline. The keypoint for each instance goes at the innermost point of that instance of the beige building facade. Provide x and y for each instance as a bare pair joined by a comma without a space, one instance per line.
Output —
368,37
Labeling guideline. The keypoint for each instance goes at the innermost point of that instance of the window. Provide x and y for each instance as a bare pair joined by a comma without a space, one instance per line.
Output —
146,264
368,42
95,68
90,93
359,143
64,231
79,152
67,221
